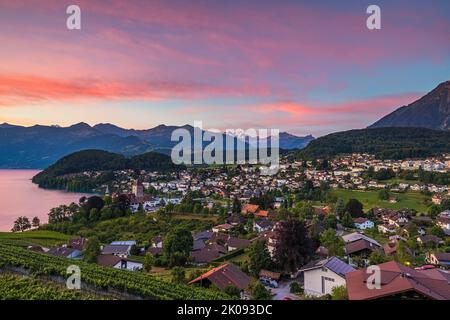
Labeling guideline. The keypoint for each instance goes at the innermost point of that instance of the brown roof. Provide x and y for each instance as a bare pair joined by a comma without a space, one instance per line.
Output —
207,254
226,275
108,260
262,213
360,245
395,279
237,243
359,220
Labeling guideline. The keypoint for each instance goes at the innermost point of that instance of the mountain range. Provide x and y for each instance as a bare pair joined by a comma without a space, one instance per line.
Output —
40,146
432,111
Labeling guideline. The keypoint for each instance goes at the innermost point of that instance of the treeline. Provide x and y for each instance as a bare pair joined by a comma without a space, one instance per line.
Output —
63,174
384,143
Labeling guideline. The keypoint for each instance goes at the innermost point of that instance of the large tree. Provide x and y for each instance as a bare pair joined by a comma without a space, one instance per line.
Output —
177,247
259,257
21,224
355,208
92,250
293,245
332,242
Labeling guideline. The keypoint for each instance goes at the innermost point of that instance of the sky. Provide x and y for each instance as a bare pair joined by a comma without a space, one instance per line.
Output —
305,67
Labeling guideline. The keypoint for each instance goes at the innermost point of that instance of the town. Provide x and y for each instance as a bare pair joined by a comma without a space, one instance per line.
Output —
308,232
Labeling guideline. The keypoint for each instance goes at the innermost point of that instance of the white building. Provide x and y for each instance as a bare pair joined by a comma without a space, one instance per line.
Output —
320,277
363,223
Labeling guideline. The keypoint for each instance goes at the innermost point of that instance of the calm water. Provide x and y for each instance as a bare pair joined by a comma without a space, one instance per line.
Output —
20,197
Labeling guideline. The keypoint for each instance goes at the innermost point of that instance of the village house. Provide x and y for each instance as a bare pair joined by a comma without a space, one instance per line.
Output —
65,252
119,248
320,277
262,225
117,262
363,223
399,282
224,276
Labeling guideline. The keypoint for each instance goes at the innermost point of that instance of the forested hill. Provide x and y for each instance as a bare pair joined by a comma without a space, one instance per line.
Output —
385,143
99,160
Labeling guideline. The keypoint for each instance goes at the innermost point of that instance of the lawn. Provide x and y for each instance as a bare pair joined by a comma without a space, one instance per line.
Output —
35,237
412,200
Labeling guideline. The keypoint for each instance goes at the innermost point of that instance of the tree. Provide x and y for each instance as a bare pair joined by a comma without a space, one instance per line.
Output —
332,242
178,275
347,220
36,222
377,257
354,207
339,208
331,221
177,247
339,293
232,291
383,194
21,224
259,292
438,232
237,206
412,229
92,250
293,245
148,262
295,288
259,257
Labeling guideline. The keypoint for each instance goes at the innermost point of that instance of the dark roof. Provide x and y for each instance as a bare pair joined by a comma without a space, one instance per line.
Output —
237,242
108,260
236,219
116,249
441,256
334,264
430,238
205,255
360,245
206,235
264,223
224,276
61,251
198,244
395,279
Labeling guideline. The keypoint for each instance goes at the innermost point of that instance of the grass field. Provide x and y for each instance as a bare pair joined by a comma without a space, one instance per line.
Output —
38,237
412,200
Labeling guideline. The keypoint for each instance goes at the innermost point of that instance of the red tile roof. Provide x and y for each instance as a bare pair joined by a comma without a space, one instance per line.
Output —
250,208
395,279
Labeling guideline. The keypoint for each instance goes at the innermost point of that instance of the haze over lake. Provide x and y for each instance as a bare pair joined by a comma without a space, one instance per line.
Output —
20,197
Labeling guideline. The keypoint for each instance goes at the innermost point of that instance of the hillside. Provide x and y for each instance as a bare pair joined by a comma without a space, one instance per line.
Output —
431,111
386,143
99,160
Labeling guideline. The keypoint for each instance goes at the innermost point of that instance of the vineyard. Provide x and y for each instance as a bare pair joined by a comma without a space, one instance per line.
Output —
13,287
135,283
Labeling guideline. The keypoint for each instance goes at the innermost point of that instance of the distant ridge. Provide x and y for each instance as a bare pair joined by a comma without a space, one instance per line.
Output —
40,146
432,111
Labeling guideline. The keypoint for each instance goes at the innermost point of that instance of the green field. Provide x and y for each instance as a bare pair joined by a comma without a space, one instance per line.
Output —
411,200
38,237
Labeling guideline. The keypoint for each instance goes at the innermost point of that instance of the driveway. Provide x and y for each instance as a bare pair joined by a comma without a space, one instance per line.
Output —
283,291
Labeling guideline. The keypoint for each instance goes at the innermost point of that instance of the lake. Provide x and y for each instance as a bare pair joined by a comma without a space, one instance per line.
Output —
20,197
